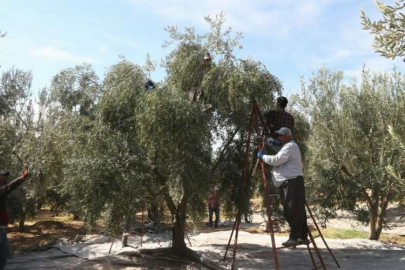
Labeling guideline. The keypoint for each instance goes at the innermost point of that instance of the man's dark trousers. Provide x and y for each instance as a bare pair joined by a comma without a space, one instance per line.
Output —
216,211
292,195
4,249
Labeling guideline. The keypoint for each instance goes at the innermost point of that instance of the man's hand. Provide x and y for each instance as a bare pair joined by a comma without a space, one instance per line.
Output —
25,174
260,155
271,141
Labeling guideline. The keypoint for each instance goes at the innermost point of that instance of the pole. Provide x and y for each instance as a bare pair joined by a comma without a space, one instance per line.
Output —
269,215
242,191
142,225
109,252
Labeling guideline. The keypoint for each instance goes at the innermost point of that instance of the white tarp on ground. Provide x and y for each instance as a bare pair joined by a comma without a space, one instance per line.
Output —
254,252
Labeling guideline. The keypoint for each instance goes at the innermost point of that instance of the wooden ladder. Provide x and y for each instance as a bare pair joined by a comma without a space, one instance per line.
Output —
256,116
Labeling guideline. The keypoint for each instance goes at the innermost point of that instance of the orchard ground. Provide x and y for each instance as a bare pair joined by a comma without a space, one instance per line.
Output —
47,243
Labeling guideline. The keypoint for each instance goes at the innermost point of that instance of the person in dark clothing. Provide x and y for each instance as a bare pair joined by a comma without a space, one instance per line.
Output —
213,207
5,189
276,119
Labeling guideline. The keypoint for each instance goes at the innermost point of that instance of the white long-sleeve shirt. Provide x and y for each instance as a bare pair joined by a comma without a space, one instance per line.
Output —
286,163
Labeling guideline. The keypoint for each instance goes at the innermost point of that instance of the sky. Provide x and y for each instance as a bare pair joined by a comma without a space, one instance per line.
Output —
293,38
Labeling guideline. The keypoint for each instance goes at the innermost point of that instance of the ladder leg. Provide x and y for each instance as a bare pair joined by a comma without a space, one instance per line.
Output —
230,239
269,214
320,233
318,253
312,257
242,190
266,193
235,245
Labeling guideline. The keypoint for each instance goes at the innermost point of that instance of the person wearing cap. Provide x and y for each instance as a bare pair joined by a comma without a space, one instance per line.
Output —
276,119
5,189
288,177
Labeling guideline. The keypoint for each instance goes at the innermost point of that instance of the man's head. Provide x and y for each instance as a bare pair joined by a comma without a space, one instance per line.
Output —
3,178
282,102
284,135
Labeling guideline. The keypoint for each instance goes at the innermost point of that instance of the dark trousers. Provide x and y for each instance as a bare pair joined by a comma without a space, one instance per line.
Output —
292,195
4,249
211,211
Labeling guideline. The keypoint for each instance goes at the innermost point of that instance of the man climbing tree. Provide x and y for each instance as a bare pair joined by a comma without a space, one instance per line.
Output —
287,175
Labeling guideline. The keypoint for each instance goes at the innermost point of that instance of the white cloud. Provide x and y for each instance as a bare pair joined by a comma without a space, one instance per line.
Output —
265,17
125,41
62,43
333,57
54,53
103,49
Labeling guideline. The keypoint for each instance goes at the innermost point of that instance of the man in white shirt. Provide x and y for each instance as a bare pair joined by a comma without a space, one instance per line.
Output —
288,177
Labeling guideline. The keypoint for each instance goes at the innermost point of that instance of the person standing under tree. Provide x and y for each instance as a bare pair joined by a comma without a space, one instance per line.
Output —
288,177
5,189
213,207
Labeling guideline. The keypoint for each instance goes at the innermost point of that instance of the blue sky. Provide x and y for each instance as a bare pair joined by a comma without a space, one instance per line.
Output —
292,38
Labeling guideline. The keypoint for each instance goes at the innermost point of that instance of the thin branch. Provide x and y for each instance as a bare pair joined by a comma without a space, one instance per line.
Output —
222,153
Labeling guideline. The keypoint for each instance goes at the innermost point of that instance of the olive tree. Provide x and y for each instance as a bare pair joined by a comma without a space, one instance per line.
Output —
350,146
389,33
178,123
18,134
120,145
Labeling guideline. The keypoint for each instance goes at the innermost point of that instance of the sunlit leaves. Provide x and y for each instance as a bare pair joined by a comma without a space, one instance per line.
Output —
389,32
350,147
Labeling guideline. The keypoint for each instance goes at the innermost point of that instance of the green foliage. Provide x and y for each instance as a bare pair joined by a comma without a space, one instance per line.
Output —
350,146
18,134
105,150
177,141
397,169
14,88
123,86
76,89
390,31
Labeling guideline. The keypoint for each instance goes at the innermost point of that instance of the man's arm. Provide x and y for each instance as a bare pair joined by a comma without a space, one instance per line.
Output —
274,144
5,190
281,157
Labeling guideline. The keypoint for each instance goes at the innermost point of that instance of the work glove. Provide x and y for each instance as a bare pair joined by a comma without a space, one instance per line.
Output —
260,155
25,174
274,142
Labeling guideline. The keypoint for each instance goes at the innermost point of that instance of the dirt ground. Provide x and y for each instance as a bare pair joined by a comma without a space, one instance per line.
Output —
44,229
254,252
47,244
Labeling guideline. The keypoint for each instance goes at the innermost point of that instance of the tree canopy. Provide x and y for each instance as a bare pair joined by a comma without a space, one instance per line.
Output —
350,147
104,149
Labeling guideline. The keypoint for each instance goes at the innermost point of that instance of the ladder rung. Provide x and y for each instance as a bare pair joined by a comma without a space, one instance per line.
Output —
316,236
290,246
278,220
323,258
